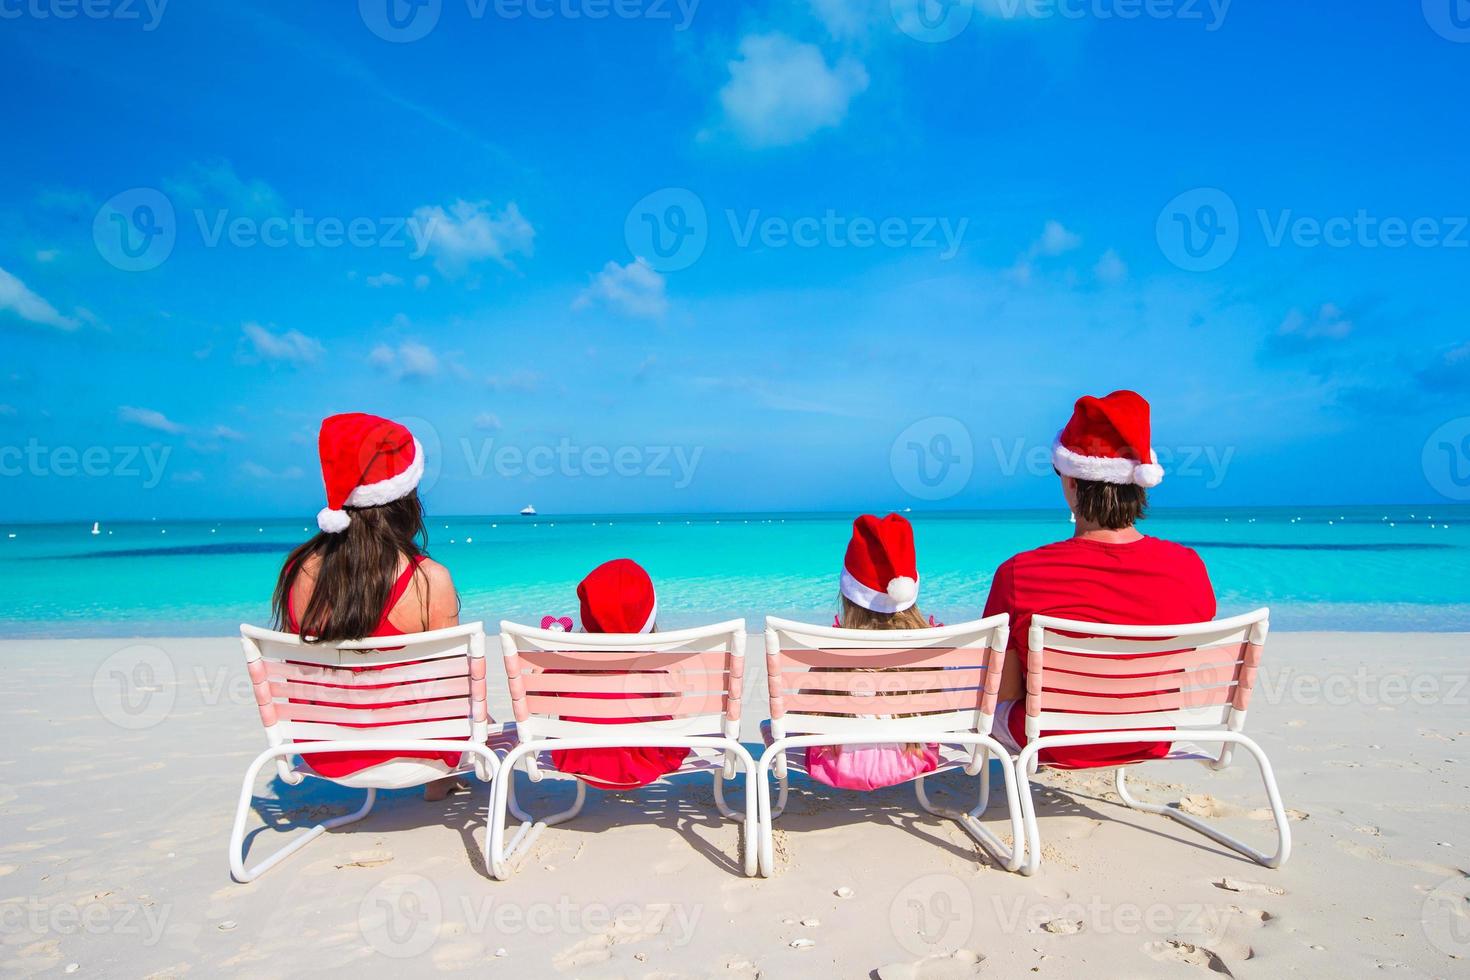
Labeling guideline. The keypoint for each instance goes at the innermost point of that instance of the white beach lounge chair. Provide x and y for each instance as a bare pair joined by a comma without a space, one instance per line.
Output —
691,677
1077,678
821,694
436,682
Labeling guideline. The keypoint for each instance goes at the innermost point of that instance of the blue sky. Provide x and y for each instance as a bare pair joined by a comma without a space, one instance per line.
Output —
873,243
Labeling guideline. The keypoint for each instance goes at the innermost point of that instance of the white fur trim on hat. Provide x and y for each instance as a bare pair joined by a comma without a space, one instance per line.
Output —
333,521
902,593
652,617
1106,469
393,488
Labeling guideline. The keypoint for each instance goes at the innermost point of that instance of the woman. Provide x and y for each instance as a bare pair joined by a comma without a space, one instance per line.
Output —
366,573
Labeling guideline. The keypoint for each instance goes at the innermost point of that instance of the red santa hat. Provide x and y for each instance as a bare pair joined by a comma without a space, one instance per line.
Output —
880,572
1108,441
618,597
367,461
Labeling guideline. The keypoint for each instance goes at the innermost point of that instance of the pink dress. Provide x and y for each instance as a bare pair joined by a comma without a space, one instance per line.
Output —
338,764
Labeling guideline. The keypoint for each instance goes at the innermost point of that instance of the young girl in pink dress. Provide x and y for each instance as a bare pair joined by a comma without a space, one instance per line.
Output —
879,591
617,597
366,573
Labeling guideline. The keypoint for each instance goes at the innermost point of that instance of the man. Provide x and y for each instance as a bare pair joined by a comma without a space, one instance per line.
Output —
1107,572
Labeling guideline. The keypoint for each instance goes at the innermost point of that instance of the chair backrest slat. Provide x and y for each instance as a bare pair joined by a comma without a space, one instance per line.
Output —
423,685
685,681
1107,677
826,680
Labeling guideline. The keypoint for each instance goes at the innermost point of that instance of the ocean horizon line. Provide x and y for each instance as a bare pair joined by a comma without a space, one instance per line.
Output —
825,513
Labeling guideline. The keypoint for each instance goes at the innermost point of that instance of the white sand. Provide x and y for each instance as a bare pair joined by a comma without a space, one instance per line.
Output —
113,850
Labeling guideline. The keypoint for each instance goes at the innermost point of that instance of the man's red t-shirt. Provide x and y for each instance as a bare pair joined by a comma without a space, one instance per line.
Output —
1146,582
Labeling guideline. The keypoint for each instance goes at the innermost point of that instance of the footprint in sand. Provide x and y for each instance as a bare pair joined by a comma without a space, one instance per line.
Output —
962,964
1205,805
1247,887
742,969
1178,951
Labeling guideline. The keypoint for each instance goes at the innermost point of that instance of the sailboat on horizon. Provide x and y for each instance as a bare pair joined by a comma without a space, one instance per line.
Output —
528,511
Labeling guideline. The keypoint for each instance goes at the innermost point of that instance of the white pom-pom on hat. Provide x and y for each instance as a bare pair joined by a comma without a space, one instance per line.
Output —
902,589
332,521
1148,474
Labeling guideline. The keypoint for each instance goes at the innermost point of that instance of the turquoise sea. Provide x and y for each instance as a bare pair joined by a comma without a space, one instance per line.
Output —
1318,568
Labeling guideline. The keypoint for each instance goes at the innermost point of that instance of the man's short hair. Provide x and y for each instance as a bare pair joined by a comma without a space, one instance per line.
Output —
1111,505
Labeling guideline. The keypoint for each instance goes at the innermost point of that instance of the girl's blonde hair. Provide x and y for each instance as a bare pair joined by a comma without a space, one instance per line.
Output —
856,617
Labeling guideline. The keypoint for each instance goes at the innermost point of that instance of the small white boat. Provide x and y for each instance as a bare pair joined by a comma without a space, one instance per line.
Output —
528,511
96,527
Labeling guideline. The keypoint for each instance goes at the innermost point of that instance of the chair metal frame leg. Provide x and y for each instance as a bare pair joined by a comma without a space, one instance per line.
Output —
1010,858
1027,758
239,871
500,853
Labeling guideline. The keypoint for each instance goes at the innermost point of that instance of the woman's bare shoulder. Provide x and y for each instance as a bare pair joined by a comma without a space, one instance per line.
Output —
436,573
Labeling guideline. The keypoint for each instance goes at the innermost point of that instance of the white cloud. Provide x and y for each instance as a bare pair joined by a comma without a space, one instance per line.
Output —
1110,267
781,91
409,359
291,346
1055,240
16,297
384,279
1328,324
216,185
635,289
225,432
519,380
471,232
150,419
258,472
488,421
849,18
47,254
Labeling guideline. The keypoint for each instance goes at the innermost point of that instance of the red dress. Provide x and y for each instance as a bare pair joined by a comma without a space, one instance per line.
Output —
1145,582
617,768
338,764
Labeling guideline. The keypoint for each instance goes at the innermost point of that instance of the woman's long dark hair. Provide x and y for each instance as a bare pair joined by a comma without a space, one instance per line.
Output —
355,577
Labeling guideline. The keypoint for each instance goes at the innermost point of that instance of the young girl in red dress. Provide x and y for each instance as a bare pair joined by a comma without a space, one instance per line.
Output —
618,597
